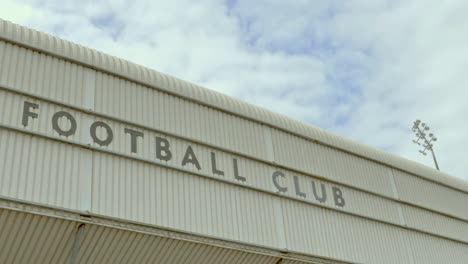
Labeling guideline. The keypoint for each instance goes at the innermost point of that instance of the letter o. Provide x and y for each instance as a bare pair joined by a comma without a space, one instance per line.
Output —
56,127
100,142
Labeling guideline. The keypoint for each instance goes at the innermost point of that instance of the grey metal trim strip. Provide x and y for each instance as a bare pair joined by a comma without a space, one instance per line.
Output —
74,143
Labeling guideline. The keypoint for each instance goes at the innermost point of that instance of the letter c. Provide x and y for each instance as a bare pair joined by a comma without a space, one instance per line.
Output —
275,176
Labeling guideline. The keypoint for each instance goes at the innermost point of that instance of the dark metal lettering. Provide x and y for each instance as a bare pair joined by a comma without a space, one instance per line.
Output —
275,176
55,123
110,135
338,197
190,157
27,113
297,187
321,198
162,149
236,171
213,165
133,138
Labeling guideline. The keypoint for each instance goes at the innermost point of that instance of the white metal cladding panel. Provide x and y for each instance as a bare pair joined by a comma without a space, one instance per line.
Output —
40,170
435,223
147,106
257,174
28,238
428,249
147,193
324,232
33,72
357,202
431,195
61,48
11,107
305,155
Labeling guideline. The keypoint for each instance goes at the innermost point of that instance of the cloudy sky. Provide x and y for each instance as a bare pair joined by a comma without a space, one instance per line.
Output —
364,69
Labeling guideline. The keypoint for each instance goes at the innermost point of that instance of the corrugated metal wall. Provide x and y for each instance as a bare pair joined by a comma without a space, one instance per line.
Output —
30,238
40,170
150,194
390,216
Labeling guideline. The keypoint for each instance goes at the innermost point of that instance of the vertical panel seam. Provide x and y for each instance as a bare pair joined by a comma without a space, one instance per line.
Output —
86,177
269,144
404,236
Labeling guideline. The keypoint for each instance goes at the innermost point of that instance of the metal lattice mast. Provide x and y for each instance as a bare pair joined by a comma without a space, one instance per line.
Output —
420,130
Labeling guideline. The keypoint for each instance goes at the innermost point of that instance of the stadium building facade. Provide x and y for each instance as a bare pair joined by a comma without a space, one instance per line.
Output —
106,161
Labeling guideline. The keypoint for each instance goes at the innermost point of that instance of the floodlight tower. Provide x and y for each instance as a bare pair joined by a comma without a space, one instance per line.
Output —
420,130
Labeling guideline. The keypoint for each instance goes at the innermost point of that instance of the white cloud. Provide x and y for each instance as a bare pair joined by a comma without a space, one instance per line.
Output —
364,69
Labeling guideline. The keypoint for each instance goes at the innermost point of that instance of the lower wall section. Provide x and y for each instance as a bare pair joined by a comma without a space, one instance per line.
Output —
96,183
151,194
147,193
40,170
39,239
429,249
321,231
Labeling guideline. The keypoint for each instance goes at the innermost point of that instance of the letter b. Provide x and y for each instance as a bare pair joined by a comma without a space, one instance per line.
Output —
162,149
338,197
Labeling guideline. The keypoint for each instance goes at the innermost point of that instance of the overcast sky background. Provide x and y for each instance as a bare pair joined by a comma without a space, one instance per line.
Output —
364,69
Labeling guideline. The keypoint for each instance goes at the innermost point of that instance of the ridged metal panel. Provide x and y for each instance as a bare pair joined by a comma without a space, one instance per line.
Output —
305,155
432,250
60,48
11,106
431,195
319,134
436,223
257,174
39,170
146,193
106,245
38,73
64,81
137,207
323,232
149,107
28,238
287,261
